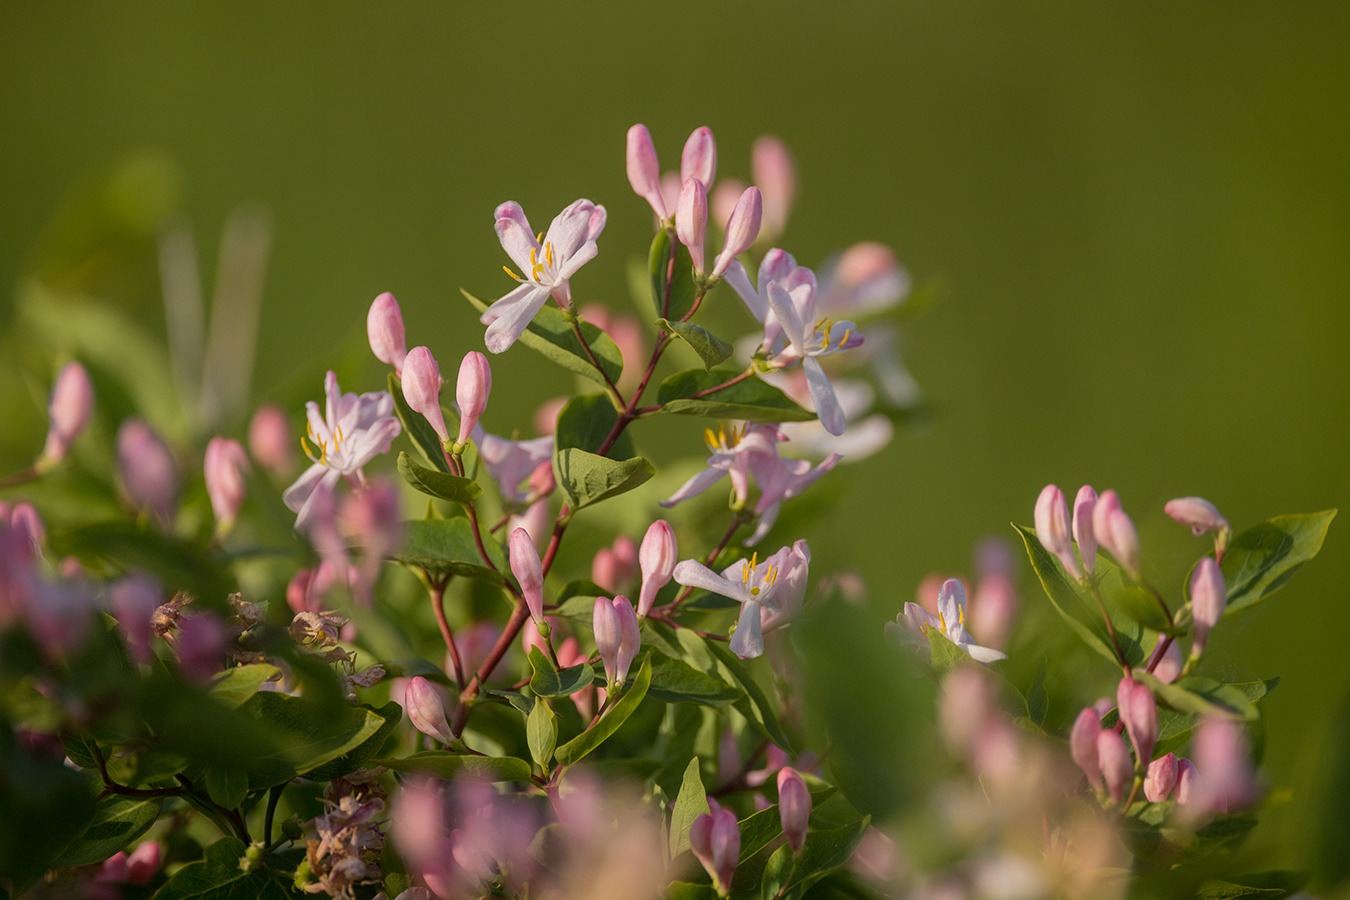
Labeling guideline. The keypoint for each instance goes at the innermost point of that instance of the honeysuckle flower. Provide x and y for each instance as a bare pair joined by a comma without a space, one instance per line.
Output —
1114,759
775,174
422,389
866,435
547,267
863,280
224,468
787,600
1209,598
751,583
1052,528
1161,778
644,171
1199,515
950,621
426,709
1116,532
528,569
656,558
1083,505
148,471
731,454
350,432
614,568
271,443
1083,744
68,411
384,328
794,312
777,266
617,637
780,479
698,160
715,839
1139,711
511,462
794,807
741,230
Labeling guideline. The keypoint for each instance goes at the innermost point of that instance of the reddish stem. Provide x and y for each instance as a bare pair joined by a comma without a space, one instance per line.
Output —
437,591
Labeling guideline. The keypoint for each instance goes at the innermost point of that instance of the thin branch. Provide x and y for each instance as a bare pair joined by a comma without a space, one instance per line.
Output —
437,591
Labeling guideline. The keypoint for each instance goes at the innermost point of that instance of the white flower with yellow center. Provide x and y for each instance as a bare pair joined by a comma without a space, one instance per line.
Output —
753,584
950,621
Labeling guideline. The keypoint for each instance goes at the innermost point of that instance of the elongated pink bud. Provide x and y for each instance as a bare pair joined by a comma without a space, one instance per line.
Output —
1209,598
144,862
657,557
1223,758
1052,527
1139,711
426,710
1083,505
68,410
644,172
742,229
715,839
630,638
993,610
1114,758
1161,778
200,645
272,442
133,602
25,519
147,468
691,220
1198,514
422,388
529,572
1116,532
1168,668
794,807
1083,744
699,159
384,327
224,468
471,392
615,567
608,635
1188,778
775,173
723,199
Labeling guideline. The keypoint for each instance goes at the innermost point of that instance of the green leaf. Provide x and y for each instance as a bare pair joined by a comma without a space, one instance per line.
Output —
1139,605
1216,889
690,803
824,852
682,288
118,820
46,806
587,479
417,428
541,731
226,785
1262,559
308,734
709,347
760,829
551,684
593,737
238,684
755,706
752,399
585,422
392,714
1201,696
675,681
448,764
551,335
446,547
218,876
1038,701
684,890
438,484
945,654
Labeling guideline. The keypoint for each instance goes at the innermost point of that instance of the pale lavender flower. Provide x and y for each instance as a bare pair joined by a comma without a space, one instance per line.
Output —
528,569
384,328
795,312
780,479
731,454
271,442
1086,539
68,411
148,471
511,462
224,468
794,807
1209,598
753,584
422,389
471,392
715,838
950,621
1052,528
777,266
866,436
657,558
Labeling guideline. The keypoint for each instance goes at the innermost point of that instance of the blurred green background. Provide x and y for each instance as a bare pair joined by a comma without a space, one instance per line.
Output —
1138,215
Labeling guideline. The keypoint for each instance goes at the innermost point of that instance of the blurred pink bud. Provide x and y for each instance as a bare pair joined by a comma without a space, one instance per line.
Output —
417,821
1161,778
617,637
1223,761
1167,669
1187,781
471,392
632,637
1114,758
144,862
742,229
545,418
541,480
25,519
224,468
993,611
422,388
536,520
644,172
723,199
794,807
670,189
715,838
1209,598
691,220
1198,514
1083,505
426,709
1052,527
614,568
68,410
271,441
966,706
114,869
530,637
728,757
657,558
372,515
775,173
994,556
1115,531
1139,712
699,159
200,645
298,595
529,572
384,327
133,602
1083,744
148,470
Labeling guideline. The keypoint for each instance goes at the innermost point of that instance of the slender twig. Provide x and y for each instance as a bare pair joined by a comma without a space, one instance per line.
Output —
595,361
1111,629
504,641
1161,602
437,591
112,787
29,474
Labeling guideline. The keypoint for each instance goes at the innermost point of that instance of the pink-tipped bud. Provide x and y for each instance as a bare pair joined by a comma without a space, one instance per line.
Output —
384,327
1116,532
471,392
1114,758
148,470
1198,514
657,557
133,602
794,807
1168,668
1161,778
742,229
699,158
144,862
426,710
723,199
271,441
1222,757
1209,598
1139,711
608,635
993,611
630,635
422,388
224,468
1083,744
615,567
967,705
1083,505
68,410
1188,778
715,838
691,220
644,172
529,572
542,482
25,520
200,645
774,171
1052,527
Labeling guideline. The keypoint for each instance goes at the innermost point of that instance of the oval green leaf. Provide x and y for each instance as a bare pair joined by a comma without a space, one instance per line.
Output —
447,547
1262,559
709,347
587,479
680,279
752,399
447,764
593,737
118,820
438,484
551,684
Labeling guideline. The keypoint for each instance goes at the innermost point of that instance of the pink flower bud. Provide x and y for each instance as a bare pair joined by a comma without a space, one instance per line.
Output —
133,602
742,229
200,645
1223,760
529,572
148,470
545,419
1209,598
1052,527
715,838
1161,778
644,172
144,862
699,159
966,706
631,640
68,410
1114,758
775,173
1187,781
723,199
531,638
617,636
114,869
1198,514
1083,744
993,611
417,821
384,327
298,595
1115,531
536,520
1167,669
541,480
25,520
224,468
426,710
1139,711
471,391
657,557
691,220
1083,505
422,388
794,807
271,441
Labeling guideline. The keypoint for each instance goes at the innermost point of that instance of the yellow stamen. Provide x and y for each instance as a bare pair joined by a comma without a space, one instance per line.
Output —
844,340
961,614
539,238
507,270
709,438
943,620
548,252
825,341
